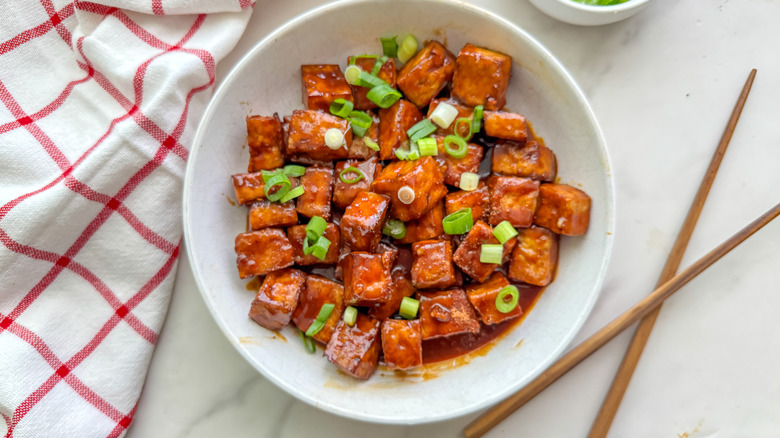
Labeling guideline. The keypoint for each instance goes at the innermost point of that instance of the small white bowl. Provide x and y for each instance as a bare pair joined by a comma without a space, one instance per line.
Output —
572,12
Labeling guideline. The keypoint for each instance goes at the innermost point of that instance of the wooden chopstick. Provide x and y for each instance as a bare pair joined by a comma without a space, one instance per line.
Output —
622,378
497,413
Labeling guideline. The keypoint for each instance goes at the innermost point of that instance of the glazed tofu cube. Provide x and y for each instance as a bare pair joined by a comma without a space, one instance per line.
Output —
322,84
426,74
467,254
306,136
344,193
432,264
402,344
265,138
318,185
267,214
362,222
446,313
400,287
453,167
423,176
563,209
481,77
483,298
261,252
502,124
386,73
535,256
296,235
512,199
277,298
393,124
428,227
356,349
367,280
249,187
533,160
477,200
463,111
358,149
318,292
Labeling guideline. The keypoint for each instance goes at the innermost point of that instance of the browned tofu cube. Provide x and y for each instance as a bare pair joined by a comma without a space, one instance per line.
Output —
453,167
356,349
345,193
386,73
477,200
432,264
467,254
367,280
261,252
318,292
393,124
481,77
426,73
463,111
362,222
563,209
535,256
400,287
358,149
533,160
512,199
506,125
306,136
267,214
277,298
429,226
296,235
322,84
249,187
402,344
483,298
265,138
446,313
423,176
318,185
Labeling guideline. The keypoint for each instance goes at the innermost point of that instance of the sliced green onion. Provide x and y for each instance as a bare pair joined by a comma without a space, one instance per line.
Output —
421,129
319,249
360,122
371,144
281,180
294,170
476,120
292,194
308,343
395,229
378,65
491,253
322,318
368,80
402,154
409,308
268,174
462,148
334,138
352,73
504,306
504,231
315,228
458,124
428,147
384,96
406,195
389,46
351,169
355,58
407,49
414,152
341,107
444,114
459,222
350,315
469,181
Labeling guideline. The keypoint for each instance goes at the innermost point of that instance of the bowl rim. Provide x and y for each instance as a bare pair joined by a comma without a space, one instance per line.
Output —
488,400
603,10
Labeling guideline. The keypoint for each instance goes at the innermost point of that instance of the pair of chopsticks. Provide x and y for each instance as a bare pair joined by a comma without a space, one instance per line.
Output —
647,309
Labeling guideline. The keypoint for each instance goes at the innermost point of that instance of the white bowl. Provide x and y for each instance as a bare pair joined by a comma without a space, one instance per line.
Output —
267,80
572,12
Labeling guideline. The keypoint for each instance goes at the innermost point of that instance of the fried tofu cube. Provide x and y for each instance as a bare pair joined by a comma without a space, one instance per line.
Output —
563,209
296,235
428,227
512,199
463,112
452,167
318,185
432,264
446,313
306,136
277,298
267,214
358,149
477,200
483,297
318,292
506,125
362,222
261,252
265,138
533,160
322,84
535,256
481,77
427,73
386,73
400,287
345,193
423,176
355,349
249,187
466,257
367,280
402,344
393,124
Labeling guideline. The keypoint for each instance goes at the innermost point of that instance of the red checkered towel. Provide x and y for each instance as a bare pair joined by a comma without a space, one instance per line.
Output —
98,105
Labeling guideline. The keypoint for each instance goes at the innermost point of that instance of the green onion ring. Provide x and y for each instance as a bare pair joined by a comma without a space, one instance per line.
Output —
462,148
459,222
351,169
281,180
502,305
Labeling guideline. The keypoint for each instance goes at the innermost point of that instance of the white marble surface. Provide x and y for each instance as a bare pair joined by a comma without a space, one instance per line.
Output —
662,85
